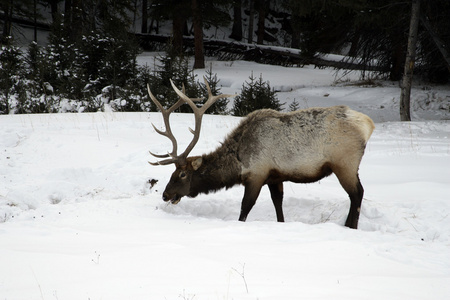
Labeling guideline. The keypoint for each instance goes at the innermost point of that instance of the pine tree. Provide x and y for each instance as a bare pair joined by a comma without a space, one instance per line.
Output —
294,105
173,67
12,69
220,107
256,94
236,32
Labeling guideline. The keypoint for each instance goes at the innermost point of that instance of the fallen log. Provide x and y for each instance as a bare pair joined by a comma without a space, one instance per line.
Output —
230,50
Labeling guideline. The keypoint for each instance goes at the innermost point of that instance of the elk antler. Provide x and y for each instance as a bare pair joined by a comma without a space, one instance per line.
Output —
168,132
198,112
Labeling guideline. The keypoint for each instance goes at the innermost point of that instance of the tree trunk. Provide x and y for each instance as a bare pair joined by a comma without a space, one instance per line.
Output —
261,22
67,15
35,20
405,96
7,22
54,10
250,21
178,29
296,32
199,62
236,31
77,20
144,16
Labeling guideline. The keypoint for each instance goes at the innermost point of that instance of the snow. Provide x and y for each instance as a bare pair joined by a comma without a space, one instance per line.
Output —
79,218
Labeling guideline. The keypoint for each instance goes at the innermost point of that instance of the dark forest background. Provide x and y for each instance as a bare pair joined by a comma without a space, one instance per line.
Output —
89,58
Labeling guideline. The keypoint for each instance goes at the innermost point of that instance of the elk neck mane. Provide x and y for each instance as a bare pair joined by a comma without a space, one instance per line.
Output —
219,169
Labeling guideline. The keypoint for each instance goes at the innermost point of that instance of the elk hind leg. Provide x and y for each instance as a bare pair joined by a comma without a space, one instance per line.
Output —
276,192
349,180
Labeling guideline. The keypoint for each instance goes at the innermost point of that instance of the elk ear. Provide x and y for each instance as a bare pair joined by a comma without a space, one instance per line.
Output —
197,163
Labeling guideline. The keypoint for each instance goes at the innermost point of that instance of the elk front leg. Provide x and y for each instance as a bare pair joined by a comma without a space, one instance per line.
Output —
276,192
250,195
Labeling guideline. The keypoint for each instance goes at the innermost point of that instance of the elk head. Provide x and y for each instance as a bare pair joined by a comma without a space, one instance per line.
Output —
180,181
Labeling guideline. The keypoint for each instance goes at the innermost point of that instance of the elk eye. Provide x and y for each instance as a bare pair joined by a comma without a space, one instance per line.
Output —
182,175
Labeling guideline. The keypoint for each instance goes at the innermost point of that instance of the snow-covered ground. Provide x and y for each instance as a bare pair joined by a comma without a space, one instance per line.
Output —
80,220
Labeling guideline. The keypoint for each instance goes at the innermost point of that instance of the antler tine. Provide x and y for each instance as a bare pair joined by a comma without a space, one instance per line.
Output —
212,99
163,162
198,113
168,132
161,108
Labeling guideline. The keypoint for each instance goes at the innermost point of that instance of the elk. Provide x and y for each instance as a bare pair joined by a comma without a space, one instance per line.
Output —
267,148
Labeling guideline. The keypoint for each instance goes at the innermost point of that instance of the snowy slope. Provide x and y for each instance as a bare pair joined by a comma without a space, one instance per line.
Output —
79,219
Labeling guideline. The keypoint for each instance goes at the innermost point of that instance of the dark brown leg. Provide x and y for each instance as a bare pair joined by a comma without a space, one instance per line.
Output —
276,192
250,195
356,196
349,179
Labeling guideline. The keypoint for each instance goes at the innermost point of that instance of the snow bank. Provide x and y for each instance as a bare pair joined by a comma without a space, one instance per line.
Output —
79,218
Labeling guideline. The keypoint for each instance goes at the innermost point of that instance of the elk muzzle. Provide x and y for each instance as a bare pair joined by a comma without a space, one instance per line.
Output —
174,198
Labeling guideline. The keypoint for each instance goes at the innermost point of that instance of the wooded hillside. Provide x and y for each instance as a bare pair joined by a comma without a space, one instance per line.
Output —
92,46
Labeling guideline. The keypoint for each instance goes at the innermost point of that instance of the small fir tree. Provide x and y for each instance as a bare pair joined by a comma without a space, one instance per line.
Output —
294,105
256,94
12,70
220,107
40,96
176,68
